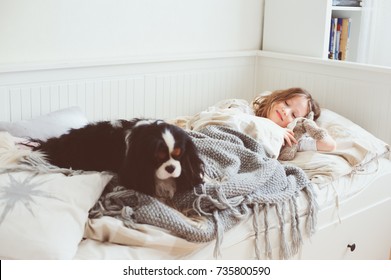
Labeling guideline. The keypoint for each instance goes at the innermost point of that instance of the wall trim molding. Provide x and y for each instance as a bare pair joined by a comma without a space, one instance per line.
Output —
24,67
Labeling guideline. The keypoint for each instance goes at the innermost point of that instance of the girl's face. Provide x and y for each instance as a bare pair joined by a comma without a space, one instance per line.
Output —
284,112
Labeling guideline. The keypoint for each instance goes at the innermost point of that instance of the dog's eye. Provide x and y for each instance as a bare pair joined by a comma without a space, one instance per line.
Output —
176,152
161,155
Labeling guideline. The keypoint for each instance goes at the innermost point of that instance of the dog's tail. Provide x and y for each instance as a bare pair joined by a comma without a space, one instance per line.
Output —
10,154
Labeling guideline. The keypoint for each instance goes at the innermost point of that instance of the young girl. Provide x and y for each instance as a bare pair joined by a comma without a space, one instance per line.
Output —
283,106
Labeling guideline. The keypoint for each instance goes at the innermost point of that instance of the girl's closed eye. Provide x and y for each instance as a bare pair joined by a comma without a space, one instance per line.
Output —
293,114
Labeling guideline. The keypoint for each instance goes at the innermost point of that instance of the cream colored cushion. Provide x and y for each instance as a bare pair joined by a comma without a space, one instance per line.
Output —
43,216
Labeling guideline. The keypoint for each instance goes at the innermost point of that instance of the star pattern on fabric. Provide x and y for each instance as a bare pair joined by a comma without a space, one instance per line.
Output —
21,191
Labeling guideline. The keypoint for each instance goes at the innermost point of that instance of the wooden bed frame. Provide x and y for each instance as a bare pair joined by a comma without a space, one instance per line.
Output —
168,87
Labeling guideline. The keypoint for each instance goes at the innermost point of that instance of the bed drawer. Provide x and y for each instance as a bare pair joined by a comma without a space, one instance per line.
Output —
362,235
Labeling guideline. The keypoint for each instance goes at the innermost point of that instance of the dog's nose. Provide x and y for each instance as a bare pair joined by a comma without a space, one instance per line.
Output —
170,168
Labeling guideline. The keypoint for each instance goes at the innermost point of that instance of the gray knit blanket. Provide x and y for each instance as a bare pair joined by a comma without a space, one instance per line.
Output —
241,179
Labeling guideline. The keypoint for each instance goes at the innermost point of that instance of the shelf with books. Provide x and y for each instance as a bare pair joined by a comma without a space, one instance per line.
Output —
354,16
302,27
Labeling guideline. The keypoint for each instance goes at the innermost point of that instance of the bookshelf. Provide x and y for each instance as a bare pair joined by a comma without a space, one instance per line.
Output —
302,27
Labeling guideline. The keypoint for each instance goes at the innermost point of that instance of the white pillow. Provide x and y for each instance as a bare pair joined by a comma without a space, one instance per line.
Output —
43,127
354,143
43,216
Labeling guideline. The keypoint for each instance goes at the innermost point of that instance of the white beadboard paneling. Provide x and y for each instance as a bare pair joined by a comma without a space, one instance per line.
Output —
5,104
15,98
45,97
54,97
106,98
164,89
25,103
91,103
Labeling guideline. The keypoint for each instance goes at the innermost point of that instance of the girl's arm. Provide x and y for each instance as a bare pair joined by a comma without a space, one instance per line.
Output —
307,143
326,144
321,140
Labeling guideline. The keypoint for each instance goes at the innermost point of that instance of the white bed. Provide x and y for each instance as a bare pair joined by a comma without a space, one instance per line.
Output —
354,195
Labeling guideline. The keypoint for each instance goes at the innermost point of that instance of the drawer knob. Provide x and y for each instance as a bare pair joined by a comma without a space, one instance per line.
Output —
352,247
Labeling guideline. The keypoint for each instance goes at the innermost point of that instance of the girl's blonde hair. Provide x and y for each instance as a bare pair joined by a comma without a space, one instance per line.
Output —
263,104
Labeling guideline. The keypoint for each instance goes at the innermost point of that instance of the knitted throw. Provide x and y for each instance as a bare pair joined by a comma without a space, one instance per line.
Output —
240,179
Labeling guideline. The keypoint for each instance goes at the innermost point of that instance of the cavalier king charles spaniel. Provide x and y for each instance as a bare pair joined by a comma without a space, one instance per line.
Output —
149,156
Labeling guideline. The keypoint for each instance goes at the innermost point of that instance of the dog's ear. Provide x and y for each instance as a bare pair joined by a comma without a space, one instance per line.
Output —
131,176
136,173
192,168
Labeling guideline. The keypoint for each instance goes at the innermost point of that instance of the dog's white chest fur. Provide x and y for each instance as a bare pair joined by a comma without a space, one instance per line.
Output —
165,188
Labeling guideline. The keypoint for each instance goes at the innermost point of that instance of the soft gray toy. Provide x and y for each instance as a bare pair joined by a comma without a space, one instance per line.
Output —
301,126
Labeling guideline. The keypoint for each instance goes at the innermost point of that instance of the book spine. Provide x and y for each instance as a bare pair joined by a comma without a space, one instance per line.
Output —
338,39
331,42
333,38
347,45
343,46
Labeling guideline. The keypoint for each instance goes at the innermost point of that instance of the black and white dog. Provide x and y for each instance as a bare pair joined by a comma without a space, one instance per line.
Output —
149,156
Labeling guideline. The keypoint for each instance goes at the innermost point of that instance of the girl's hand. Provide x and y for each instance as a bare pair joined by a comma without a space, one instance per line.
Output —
289,137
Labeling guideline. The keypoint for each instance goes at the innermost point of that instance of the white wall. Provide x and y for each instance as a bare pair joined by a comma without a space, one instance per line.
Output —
70,30
375,38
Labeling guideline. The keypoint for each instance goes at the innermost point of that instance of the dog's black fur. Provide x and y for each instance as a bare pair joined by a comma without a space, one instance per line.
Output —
133,149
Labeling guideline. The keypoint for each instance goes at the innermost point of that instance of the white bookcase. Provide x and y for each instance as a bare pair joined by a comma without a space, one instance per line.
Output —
302,27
